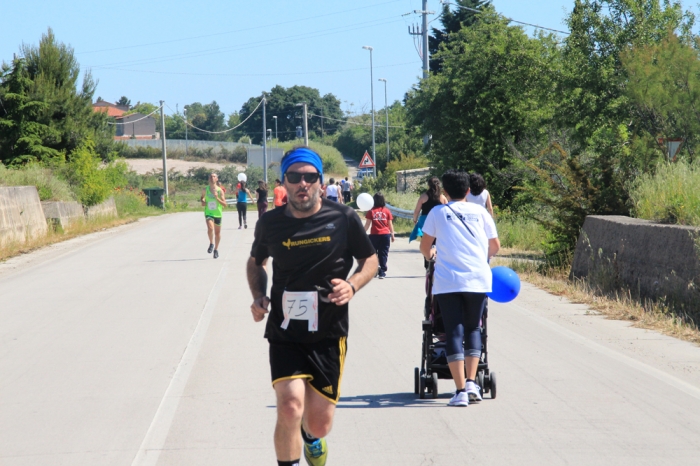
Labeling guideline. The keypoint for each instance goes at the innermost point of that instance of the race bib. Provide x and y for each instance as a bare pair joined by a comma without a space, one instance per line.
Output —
212,205
300,305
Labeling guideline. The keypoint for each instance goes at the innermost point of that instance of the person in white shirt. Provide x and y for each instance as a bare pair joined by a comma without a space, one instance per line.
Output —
332,191
466,239
478,193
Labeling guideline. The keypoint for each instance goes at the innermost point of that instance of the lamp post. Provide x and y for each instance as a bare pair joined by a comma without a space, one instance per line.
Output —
276,138
386,107
371,80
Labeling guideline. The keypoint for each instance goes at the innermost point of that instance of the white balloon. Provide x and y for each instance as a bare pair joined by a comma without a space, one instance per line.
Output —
242,177
365,201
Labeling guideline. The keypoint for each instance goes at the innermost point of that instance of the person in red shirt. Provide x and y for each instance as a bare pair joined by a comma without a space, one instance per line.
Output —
382,233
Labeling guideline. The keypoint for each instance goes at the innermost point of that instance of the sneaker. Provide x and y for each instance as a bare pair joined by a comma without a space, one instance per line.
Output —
216,254
474,391
382,275
316,453
460,399
240,227
211,248
245,226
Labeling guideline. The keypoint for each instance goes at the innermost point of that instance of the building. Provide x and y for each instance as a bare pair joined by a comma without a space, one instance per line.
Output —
136,126
110,109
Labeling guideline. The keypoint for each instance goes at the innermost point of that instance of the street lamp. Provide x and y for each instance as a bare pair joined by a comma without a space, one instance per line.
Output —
371,80
275,118
386,107
269,134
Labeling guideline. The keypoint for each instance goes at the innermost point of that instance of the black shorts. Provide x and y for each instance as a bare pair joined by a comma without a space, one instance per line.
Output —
217,220
321,363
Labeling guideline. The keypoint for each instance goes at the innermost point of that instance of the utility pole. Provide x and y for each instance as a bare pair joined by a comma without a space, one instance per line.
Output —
264,102
371,81
423,32
276,138
386,108
165,158
306,123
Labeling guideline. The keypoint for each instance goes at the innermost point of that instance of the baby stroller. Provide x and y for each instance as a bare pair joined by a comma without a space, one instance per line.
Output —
433,357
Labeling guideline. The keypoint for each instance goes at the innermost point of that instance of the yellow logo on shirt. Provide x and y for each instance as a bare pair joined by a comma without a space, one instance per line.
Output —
289,244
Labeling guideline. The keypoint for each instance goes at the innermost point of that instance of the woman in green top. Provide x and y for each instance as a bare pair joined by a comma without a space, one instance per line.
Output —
213,201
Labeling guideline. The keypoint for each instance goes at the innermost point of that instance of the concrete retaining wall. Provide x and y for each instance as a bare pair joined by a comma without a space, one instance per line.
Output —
180,145
63,213
650,259
409,181
25,201
106,209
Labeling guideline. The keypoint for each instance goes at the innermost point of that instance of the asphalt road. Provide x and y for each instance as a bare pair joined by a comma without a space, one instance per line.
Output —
135,347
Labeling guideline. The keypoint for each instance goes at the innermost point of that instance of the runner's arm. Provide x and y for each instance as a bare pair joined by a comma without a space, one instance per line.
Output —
203,198
365,271
368,223
391,226
419,204
426,246
489,206
494,246
257,281
222,199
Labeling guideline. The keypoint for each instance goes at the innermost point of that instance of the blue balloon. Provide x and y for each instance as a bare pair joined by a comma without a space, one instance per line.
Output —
506,285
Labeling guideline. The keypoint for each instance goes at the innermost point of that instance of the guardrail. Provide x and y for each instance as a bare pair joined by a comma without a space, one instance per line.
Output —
249,201
400,213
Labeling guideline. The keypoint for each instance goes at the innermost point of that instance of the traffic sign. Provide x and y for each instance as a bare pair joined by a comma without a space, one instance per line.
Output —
366,161
673,146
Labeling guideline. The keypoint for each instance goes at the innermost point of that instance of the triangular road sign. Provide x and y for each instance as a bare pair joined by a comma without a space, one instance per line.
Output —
366,161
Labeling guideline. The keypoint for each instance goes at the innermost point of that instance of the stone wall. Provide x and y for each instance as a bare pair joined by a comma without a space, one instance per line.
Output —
63,213
106,209
21,214
650,260
409,181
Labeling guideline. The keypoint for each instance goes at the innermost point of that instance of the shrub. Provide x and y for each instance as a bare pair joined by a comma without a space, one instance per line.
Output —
85,176
332,159
671,195
49,186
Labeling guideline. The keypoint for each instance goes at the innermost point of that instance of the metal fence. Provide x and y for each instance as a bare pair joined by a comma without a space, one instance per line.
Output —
274,156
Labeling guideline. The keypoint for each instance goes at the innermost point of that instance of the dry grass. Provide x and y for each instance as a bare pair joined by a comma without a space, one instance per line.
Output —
56,236
619,305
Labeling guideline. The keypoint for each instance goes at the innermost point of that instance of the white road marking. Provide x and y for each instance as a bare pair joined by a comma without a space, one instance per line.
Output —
157,433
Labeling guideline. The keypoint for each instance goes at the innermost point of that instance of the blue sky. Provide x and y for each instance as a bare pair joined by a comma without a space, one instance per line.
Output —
228,51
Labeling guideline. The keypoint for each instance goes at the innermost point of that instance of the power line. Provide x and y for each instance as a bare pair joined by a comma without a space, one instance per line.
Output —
130,122
260,74
249,45
351,122
227,130
238,30
509,19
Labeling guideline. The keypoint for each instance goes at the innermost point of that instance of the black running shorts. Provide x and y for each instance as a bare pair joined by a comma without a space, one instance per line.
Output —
321,363
217,220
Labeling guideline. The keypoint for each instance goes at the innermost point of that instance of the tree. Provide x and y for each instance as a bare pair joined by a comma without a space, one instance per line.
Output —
124,101
325,115
495,89
50,114
453,21
208,117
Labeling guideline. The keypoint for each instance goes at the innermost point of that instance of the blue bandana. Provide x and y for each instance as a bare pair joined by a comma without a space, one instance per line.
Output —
302,155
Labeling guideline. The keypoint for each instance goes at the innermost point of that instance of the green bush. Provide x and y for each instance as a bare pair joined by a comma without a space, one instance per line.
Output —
671,195
49,186
85,176
333,162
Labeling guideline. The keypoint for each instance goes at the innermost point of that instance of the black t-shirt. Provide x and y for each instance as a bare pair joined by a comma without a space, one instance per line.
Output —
262,195
309,252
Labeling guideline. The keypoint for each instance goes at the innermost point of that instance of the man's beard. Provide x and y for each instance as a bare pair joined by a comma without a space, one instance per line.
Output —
309,204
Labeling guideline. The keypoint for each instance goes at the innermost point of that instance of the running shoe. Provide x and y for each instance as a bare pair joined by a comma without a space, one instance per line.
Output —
474,391
239,227
216,254
382,275
211,248
246,226
316,453
460,399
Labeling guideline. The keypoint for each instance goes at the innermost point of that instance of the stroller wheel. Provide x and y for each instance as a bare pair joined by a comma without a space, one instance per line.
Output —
434,388
416,380
492,383
421,385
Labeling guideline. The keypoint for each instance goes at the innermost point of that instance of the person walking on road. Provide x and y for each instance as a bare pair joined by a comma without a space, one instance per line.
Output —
478,193
213,201
312,243
332,191
262,198
466,238
242,205
280,194
426,202
347,189
382,233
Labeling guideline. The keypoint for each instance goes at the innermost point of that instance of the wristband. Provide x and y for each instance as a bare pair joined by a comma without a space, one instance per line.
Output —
354,291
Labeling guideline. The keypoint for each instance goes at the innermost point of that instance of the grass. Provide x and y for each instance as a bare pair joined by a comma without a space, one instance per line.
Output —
49,186
520,233
671,195
619,305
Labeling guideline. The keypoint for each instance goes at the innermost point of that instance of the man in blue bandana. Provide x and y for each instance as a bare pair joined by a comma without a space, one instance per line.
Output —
313,243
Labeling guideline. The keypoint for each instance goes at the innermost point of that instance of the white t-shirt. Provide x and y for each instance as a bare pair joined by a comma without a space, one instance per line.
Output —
480,199
332,191
462,259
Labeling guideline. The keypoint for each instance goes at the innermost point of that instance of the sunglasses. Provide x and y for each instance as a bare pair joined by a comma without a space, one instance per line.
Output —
295,177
